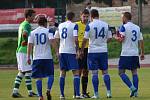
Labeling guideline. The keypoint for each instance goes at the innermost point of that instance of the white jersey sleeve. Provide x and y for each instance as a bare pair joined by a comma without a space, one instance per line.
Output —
57,34
122,30
109,35
87,31
140,36
75,31
31,38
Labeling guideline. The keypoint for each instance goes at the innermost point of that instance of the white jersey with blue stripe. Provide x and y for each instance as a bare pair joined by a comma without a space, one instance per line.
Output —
66,32
97,32
132,35
40,38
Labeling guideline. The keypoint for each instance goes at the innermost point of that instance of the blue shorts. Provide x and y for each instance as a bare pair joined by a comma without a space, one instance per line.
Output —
129,62
97,61
68,62
42,68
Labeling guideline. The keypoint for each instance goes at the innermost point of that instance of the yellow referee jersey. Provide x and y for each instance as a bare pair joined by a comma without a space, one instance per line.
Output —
81,30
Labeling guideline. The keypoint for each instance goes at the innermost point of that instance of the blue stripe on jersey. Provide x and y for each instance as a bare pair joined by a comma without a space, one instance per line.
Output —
51,31
87,28
76,27
122,29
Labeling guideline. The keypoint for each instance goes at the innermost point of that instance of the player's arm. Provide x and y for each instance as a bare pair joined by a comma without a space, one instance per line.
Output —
75,34
121,35
109,36
29,49
57,41
141,43
25,34
86,37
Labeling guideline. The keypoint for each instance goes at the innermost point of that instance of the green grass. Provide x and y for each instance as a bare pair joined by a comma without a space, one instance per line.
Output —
119,90
8,47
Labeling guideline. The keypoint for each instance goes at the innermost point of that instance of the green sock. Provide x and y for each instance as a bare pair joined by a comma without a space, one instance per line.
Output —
18,82
28,82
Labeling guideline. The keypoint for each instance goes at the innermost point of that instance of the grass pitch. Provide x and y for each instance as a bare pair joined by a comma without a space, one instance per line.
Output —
119,89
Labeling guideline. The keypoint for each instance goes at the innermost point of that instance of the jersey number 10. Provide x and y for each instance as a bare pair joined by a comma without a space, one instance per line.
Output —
40,38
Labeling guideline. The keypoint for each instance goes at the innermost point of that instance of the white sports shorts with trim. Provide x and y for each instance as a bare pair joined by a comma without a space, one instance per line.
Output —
22,62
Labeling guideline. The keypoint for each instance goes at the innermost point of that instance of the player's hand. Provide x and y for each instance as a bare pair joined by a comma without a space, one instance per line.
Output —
81,54
142,57
29,61
78,54
57,54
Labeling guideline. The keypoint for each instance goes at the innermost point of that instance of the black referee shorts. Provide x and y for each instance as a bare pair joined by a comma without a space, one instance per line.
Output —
83,62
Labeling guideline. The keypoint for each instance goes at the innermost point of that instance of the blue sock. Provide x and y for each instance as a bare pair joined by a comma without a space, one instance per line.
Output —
126,80
106,79
135,81
77,84
50,82
95,82
39,87
61,85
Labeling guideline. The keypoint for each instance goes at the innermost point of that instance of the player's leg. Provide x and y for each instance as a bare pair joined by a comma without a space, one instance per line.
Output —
39,88
63,67
17,83
93,67
103,63
76,82
49,71
21,58
135,80
62,83
126,80
28,81
84,80
95,82
49,86
127,62
107,82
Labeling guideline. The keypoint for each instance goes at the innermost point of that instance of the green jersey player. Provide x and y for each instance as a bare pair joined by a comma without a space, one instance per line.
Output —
21,53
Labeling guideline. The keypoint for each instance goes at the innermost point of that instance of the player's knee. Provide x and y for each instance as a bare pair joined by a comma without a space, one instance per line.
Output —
134,72
104,72
85,73
28,74
20,74
75,72
120,72
38,79
94,72
62,74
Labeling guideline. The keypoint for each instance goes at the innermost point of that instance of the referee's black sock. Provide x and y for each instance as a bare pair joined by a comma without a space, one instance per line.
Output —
84,84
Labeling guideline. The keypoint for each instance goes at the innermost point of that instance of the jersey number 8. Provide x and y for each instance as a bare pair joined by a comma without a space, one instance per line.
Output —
64,33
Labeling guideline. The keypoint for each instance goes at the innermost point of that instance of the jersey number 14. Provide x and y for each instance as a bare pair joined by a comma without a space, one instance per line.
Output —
101,33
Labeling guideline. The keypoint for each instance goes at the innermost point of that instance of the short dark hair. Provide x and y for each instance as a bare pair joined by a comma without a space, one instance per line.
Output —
94,13
28,12
42,21
70,15
85,11
88,3
127,15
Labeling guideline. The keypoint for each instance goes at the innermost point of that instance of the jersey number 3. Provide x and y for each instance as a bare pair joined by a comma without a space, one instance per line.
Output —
40,38
134,38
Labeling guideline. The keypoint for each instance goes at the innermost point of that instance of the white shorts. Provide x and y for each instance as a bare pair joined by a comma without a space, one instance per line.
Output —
22,62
